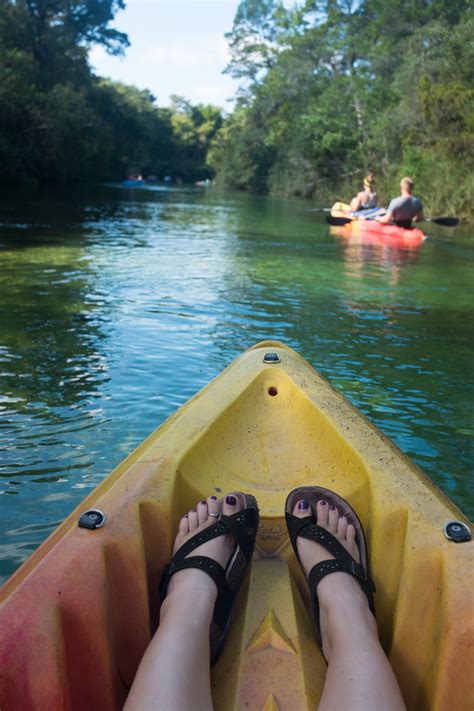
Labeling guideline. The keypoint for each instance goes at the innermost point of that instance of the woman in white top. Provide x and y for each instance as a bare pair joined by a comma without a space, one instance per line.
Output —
366,199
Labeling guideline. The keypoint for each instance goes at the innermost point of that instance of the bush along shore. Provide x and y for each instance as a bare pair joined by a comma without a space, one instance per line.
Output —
332,90
61,123
329,90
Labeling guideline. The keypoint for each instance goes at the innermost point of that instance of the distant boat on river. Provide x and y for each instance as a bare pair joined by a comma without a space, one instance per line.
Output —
133,182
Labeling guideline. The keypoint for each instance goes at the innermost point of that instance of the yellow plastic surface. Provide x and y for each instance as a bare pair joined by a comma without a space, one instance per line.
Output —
340,209
77,617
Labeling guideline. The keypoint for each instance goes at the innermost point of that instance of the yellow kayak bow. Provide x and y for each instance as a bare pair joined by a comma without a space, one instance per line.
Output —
77,617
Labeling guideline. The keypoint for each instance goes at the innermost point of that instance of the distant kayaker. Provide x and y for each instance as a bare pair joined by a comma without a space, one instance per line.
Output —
367,198
402,210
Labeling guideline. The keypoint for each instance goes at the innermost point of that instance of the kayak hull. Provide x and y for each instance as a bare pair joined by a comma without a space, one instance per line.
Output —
78,615
351,235
369,229
414,236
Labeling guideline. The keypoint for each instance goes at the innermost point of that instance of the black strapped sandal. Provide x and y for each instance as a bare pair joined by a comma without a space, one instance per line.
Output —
343,561
243,527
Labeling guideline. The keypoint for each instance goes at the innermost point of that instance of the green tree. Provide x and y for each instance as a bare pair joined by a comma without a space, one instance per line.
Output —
334,88
58,122
194,127
253,39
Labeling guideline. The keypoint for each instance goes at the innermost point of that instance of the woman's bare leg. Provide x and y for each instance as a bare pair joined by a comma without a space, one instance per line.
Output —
174,674
359,675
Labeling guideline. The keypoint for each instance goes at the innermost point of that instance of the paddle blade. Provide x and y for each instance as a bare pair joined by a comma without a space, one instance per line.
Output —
338,221
446,221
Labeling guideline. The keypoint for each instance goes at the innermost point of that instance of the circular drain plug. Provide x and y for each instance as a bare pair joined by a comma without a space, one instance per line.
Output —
457,531
91,519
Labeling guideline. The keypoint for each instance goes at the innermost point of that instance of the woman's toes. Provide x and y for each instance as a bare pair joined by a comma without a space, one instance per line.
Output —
333,519
202,512
212,506
193,519
350,533
184,525
302,508
322,513
351,543
342,527
230,505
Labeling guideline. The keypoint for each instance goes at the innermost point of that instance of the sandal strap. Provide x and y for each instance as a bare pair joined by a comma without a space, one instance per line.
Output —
313,532
201,562
307,528
326,567
294,525
225,595
343,561
207,534
238,525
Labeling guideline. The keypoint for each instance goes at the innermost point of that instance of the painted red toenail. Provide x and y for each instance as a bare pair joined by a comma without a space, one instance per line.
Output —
303,505
231,500
323,503
214,498
333,508
203,501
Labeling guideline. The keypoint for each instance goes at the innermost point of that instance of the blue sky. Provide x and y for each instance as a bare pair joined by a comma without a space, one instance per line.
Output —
177,47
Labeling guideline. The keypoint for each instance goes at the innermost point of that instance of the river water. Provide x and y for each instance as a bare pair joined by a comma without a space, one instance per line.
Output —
117,306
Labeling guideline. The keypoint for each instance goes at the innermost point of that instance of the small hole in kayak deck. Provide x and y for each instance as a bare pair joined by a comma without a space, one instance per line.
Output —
272,390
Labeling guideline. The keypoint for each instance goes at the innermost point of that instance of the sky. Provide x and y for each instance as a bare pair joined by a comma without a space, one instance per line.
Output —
176,47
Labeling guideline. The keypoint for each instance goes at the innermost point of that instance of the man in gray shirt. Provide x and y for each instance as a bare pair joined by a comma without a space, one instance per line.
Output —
402,210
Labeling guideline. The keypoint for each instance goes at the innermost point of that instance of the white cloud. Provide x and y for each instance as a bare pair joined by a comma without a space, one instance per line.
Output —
212,94
208,51
177,47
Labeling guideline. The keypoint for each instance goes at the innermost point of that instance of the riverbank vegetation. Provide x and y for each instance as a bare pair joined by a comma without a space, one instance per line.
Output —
330,89
59,122
336,88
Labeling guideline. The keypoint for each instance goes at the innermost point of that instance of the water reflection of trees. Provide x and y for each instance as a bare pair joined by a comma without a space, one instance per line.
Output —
56,309
54,321
51,326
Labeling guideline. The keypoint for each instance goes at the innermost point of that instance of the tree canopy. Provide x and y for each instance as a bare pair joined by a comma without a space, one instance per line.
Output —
329,90
59,122
335,88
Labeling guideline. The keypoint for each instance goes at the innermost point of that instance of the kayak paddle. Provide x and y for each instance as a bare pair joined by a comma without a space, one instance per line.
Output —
444,221
338,221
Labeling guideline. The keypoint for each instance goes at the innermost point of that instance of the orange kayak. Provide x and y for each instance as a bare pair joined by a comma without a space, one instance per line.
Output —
351,234
76,618
389,234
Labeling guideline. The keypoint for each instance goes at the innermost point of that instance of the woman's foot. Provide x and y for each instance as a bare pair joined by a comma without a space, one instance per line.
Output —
219,549
343,608
174,672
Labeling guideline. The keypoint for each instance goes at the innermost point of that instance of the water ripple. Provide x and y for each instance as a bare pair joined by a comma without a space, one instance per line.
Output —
116,310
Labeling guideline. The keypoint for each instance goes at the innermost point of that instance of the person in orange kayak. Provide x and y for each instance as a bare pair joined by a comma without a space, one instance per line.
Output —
367,198
211,553
402,210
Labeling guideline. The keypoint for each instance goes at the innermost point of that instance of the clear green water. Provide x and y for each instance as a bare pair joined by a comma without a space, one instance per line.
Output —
117,306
